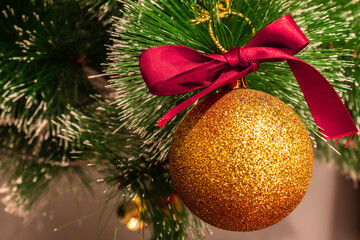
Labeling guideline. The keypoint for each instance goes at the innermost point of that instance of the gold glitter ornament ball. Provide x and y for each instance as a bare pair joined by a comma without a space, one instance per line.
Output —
241,160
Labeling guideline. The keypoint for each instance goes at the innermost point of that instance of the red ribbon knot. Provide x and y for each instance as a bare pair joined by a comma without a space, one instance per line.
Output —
236,58
172,69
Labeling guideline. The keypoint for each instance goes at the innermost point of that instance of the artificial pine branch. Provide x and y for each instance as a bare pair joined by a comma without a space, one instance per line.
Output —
347,12
136,32
47,50
126,165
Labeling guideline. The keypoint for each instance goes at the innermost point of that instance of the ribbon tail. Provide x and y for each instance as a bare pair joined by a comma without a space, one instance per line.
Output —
328,110
179,108
224,79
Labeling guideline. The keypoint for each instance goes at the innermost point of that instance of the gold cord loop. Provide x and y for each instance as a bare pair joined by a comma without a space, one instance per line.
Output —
224,12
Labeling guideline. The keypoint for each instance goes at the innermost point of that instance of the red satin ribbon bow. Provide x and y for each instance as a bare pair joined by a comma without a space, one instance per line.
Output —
172,69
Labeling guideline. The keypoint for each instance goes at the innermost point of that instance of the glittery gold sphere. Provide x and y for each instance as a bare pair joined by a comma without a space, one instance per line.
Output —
241,160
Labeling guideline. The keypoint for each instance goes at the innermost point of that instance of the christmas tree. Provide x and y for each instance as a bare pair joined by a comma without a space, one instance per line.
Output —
73,94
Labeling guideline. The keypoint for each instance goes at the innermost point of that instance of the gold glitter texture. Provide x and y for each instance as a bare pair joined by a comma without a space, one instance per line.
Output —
241,160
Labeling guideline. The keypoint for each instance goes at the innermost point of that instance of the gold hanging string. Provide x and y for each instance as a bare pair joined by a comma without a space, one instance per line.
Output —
224,12
212,35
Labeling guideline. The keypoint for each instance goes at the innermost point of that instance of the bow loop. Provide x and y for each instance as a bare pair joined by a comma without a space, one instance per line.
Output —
172,69
283,34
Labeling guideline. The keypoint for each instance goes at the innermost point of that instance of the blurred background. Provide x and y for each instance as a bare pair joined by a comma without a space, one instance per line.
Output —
329,211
